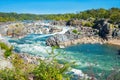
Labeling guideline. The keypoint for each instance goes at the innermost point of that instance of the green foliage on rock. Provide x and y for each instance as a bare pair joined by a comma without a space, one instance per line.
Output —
6,74
87,24
75,31
7,53
4,46
48,69
51,69
20,70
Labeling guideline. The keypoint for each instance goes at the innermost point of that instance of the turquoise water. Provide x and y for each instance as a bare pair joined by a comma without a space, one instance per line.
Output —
90,58
94,58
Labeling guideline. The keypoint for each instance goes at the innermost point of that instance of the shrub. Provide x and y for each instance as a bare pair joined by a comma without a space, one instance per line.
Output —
20,71
82,23
75,31
88,24
4,46
50,69
7,74
7,54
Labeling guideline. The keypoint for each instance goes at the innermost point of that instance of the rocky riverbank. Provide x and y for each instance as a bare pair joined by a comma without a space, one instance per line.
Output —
30,59
84,40
21,28
102,33
114,42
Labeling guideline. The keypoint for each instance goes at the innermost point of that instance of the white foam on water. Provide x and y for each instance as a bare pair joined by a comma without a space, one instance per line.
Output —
44,35
77,72
35,49
65,29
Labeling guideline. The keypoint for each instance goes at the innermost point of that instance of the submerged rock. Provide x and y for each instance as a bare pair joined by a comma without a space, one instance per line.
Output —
56,39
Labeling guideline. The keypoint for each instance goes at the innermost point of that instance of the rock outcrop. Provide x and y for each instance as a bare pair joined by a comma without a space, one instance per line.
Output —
102,32
72,37
20,29
107,30
103,26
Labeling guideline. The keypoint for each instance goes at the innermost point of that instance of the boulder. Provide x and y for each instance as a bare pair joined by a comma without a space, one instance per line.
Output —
104,29
70,36
56,39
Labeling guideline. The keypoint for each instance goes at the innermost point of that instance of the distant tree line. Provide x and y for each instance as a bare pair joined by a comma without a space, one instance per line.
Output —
113,14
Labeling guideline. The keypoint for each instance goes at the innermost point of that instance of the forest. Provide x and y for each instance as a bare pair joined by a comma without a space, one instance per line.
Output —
113,14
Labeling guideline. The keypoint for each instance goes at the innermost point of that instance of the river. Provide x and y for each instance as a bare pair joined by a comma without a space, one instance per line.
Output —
90,58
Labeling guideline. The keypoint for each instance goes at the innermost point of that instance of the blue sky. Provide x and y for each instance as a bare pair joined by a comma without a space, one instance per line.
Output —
54,6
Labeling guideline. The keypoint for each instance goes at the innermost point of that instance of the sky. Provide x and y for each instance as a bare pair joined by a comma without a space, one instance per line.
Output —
55,6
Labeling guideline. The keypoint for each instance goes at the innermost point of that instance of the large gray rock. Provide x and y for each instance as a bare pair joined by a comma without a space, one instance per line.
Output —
104,29
56,39
70,36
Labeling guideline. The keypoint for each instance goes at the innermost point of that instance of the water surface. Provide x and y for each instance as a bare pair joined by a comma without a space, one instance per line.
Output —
92,58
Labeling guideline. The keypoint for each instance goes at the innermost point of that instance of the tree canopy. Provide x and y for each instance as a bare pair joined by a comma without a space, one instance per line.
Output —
113,14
